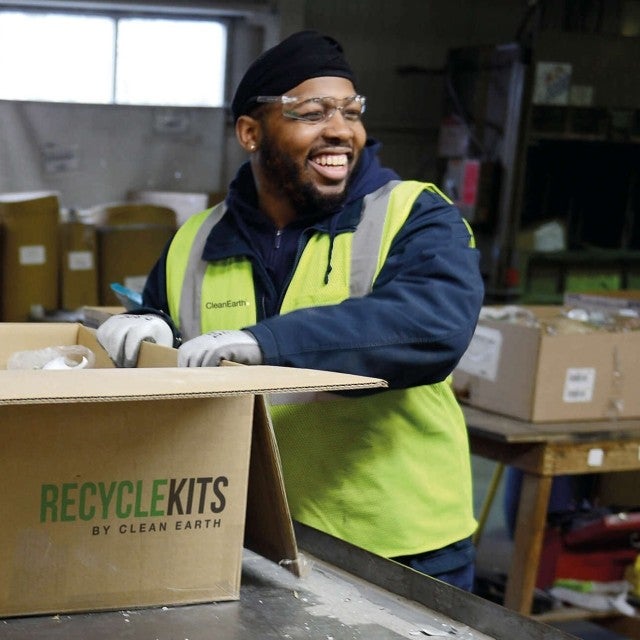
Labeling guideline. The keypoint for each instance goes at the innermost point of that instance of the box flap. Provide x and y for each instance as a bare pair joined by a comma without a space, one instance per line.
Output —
95,316
90,385
268,525
157,375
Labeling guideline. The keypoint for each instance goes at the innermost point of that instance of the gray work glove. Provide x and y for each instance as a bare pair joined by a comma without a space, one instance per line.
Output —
210,349
122,335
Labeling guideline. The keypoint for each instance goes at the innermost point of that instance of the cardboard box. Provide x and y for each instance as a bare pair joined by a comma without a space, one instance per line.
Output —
523,372
78,265
29,255
94,316
129,488
185,204
611,301
119,213
126,255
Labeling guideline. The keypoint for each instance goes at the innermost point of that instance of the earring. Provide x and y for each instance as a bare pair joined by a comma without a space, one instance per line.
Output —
252,147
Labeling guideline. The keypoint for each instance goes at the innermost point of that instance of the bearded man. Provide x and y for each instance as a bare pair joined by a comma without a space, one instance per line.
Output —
320,258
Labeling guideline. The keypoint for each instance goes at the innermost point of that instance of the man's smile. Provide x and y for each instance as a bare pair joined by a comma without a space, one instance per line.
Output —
333,166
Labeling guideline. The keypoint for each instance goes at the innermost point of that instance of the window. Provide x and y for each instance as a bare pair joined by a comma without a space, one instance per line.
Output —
56,57
170,62
60,57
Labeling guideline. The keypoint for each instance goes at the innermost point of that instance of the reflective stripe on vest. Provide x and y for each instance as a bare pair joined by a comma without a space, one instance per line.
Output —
202,296
187,273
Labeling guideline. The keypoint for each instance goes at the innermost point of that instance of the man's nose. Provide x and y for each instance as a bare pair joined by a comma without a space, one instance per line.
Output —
336,125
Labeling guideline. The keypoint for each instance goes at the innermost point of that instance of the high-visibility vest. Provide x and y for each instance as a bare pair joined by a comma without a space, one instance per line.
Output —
389,472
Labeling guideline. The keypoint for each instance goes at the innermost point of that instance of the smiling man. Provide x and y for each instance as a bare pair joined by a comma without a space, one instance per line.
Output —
320,258
303,171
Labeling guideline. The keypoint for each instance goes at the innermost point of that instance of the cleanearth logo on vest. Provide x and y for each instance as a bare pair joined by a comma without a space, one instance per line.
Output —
210,304
142,504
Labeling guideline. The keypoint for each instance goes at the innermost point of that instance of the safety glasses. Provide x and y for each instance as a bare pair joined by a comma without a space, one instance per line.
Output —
318,109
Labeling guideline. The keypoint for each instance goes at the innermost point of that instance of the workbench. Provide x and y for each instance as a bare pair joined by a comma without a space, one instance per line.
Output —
344,593
543,451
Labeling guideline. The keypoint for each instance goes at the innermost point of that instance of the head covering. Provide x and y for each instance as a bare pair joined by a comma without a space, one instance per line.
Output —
303,55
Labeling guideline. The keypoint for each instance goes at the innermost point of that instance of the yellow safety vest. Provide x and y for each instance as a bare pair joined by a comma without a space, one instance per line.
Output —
388,472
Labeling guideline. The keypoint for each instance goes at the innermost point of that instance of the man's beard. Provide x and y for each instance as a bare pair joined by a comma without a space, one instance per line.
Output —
285,176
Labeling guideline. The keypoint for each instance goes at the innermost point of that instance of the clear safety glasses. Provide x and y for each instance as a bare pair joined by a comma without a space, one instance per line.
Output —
319,109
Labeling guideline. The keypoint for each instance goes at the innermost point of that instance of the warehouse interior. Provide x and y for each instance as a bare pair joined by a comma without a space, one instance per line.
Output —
526,113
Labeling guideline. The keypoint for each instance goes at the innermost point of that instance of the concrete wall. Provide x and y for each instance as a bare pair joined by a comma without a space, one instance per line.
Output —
383,37
103,151
92,154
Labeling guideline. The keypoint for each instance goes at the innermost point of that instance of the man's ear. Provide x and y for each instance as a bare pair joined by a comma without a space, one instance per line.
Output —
248,132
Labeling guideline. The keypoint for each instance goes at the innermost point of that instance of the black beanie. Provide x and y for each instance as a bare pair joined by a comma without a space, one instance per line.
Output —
303,55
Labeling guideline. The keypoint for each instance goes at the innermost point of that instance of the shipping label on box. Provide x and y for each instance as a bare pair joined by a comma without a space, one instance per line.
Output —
482,357
579,384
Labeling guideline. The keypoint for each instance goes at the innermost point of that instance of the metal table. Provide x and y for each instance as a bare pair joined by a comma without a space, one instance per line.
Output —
369,597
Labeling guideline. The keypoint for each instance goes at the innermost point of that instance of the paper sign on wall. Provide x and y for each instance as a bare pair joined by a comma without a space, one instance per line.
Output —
552,83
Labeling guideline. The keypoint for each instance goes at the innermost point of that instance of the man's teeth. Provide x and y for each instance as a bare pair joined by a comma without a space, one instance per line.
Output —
333,160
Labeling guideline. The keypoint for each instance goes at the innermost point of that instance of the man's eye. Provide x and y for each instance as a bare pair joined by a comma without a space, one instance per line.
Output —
315,115
352,114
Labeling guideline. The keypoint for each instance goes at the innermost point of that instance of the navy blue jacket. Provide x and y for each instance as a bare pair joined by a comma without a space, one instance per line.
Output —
411,329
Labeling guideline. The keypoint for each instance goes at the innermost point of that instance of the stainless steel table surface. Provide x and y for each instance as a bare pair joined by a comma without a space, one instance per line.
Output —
369,598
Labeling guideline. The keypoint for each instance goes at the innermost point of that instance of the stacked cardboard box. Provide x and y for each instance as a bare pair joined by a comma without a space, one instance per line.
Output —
78,265
185,204
130,239
28,255
126,255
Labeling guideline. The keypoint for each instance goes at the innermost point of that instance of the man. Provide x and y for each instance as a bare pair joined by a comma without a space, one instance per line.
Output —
320,258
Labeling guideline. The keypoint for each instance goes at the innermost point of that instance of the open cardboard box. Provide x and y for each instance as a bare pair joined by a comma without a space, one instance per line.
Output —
520,371
138,487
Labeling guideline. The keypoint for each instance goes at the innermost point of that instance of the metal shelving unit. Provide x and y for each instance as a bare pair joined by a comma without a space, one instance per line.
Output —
572,157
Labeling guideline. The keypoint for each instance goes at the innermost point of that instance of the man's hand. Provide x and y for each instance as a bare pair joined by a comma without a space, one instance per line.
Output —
122,335
210,349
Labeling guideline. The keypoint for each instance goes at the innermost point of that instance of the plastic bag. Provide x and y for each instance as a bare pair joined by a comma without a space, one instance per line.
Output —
64,357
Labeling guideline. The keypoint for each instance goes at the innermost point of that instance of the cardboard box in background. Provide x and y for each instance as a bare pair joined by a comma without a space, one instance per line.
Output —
129,488
611,301
78,265
29,255
93,317
520,371
185,204
118,213
126,254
